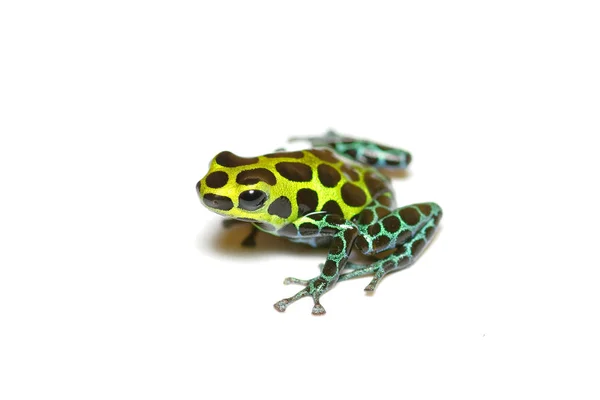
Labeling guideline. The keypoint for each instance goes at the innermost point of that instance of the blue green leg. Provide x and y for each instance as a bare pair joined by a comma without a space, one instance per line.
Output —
408,229
343,235
363,151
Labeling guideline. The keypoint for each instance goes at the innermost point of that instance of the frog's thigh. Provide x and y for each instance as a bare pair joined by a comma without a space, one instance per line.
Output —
421,223
399,227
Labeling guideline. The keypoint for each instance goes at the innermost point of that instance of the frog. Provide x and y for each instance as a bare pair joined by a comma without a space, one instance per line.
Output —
336,193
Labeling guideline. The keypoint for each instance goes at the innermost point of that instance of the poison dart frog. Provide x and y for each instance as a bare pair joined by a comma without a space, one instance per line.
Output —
332,195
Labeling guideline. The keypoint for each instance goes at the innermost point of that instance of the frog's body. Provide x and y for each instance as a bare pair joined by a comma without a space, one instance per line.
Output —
330,195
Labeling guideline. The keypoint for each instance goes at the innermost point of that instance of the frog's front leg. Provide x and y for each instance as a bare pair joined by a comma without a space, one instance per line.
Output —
343,234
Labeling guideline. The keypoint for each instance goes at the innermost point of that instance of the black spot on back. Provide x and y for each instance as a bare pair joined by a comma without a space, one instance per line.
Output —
328,175
230,160
385,200
280,207
252,176
391,223
307,200
294,171
365,217
217,179
288,154
350,172
380,243
410,215
325,155
424,208
353,195
382,212
374,229
374,184
332,207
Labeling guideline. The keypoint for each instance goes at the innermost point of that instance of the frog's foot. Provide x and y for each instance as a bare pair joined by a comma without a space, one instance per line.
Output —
314,287
380,272
302,282
378,269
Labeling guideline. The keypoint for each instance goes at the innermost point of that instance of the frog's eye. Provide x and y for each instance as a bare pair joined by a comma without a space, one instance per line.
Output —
251,200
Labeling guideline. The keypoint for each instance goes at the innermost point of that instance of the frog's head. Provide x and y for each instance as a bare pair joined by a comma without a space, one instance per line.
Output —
244,189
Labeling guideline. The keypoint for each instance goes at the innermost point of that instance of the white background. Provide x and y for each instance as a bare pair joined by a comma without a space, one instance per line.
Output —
116,283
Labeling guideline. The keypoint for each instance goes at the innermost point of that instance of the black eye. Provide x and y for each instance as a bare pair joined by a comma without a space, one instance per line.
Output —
251,200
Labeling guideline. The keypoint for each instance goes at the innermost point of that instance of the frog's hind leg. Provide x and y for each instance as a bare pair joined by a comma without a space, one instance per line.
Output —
363,151
408,230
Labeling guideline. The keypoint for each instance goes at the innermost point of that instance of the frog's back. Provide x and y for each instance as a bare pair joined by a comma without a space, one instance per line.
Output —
305,181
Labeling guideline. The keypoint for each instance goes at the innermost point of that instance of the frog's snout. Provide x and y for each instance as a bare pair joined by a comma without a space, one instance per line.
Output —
217,202
213,201
199,189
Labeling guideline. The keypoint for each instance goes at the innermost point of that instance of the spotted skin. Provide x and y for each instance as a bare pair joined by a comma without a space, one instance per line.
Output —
308,228
363,151
333,195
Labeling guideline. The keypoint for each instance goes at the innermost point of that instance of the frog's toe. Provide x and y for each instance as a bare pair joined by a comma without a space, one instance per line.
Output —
281,305
313,287
318,309
296,281
379,274
370,287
